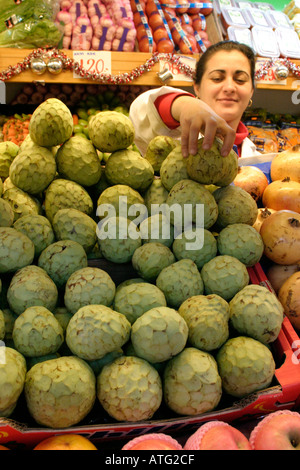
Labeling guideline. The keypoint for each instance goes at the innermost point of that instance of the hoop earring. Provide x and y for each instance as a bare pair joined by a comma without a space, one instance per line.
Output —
250,103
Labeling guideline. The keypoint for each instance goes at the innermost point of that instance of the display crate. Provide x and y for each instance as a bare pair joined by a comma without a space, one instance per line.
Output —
284,393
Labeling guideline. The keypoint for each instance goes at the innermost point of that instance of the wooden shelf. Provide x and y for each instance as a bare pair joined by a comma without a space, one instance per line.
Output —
121,62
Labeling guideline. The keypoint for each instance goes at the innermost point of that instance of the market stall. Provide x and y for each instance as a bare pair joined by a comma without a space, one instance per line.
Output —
117,324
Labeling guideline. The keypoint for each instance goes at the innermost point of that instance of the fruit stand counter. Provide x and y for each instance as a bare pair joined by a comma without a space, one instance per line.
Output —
120,63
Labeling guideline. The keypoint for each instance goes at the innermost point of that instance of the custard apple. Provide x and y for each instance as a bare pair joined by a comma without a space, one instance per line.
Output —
155,195
90,285
8,151
129,389
22,203
12,379
77,160
256,312
119,238
95,330
197,205
157,228
197,244
6,213
224,275
37,332
16,250
179,281
38,229
159,334
191,382
64,194
135,298
173,168
9,321
241,241
149,259
235,205
158,149
207,319
51,123
130,168
119,199
60,392
73,224
245,366
210,167
31,286
110,131
33,170
61,259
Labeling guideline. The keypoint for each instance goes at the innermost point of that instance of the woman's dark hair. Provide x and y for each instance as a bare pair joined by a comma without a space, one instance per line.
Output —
224,46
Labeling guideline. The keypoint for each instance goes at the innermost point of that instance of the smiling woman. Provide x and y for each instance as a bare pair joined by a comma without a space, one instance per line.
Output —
223,84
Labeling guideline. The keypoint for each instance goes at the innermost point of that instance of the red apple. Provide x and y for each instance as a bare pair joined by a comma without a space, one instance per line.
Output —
154,441
217,435
279,430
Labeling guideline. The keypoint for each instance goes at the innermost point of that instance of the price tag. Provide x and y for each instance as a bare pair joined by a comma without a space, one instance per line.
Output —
93,61
270,77
177,74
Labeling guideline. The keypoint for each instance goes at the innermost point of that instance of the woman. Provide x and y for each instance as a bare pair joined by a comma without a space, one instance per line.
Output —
223,84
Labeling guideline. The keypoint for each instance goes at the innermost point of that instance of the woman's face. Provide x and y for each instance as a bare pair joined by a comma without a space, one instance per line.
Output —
226,85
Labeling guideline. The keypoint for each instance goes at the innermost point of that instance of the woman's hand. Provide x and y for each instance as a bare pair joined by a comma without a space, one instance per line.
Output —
196,117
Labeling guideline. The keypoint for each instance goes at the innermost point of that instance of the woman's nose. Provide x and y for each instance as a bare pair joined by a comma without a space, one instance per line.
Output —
229,83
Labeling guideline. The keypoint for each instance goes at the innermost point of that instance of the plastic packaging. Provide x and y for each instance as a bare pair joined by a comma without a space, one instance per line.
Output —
234,17
244,5
219,4
264,6
278,19
288,42
242,35
257,17
29,24
265,42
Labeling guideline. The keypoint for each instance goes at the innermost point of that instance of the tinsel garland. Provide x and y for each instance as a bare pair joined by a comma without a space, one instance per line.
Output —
67,63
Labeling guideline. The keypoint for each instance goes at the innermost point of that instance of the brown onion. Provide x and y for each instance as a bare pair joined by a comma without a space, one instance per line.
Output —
289,297
279,273
280,233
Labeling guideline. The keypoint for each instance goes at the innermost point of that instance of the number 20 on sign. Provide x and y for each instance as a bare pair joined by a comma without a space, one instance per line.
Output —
93,61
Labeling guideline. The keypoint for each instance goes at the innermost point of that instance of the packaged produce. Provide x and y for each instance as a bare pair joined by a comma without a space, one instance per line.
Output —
234,17
29,24
288,42
242,35
265,42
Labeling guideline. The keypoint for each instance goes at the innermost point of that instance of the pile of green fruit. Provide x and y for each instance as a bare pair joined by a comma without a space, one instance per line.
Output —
185,330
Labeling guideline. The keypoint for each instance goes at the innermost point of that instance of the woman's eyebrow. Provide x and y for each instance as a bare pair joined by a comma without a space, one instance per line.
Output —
224,71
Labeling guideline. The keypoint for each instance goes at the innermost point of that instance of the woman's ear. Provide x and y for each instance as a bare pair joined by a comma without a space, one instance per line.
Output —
197,90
